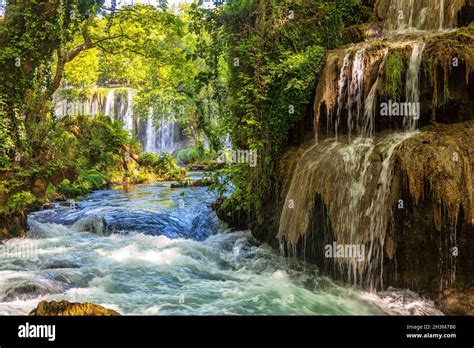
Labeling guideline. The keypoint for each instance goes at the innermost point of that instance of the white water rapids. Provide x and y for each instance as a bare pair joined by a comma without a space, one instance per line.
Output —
168,255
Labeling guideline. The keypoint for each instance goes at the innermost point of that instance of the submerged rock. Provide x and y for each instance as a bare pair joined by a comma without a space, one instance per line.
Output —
15,225
94,224
65,308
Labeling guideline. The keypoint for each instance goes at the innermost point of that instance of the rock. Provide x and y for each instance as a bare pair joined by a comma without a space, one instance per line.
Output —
457,302
39,187
179,184
94,224
203,182
65,308
13,226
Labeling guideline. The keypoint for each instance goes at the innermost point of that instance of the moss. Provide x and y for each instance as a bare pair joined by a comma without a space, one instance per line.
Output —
440,55
393,76
439,161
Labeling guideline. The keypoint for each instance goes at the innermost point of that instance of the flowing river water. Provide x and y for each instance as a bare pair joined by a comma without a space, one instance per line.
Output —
168,255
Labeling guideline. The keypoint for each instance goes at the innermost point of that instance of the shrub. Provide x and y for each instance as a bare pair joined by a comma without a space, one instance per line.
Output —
20,201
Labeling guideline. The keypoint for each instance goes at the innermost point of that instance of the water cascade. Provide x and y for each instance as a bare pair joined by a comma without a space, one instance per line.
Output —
356,91
128,115
118,104
348,182
400,16
413,84
110,103
167,136
150,144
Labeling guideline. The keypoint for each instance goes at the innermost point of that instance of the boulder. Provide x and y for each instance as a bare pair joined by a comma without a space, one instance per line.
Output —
93,223
65,308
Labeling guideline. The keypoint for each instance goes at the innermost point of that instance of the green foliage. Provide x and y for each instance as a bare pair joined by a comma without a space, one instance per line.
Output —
162,164
293,83
187,156
18,202
272,52
393,78
87,182
195,156
182,65
100,142
51,192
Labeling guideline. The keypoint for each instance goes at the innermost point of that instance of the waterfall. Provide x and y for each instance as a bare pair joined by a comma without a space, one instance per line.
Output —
342,82
110,103
342,189
167,137
150,140
128,116
412,9
417,15
413,84
118,105
356,91
162,138
369,105
94,106
441,14
227,141
353,180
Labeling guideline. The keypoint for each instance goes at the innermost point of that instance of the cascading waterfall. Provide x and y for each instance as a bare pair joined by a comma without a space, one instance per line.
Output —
119,106
150,140
167,136
441,14
351,176
110,103
128,116
400,16
360,112
162,138
354,179
227,142
162,255
370,101
356,91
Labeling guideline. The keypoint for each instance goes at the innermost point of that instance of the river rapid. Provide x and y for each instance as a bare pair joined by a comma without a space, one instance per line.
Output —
169,254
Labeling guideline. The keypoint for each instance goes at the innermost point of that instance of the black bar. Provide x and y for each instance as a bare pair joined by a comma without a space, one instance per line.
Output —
292,331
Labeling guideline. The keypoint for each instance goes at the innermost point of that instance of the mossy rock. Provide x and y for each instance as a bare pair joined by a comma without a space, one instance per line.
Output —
65,308
179,184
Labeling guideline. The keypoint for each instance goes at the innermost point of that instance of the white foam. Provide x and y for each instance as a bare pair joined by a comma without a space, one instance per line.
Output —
396,305
280,275
132,253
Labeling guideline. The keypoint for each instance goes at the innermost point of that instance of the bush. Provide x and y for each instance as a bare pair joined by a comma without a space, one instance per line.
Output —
160,164
187,156
20,201
51,192
86,183
148,159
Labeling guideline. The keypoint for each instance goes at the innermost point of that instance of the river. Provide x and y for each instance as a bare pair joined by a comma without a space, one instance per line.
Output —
168,255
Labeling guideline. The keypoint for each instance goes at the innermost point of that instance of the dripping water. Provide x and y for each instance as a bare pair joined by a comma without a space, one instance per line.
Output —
413,84
341,87
356,91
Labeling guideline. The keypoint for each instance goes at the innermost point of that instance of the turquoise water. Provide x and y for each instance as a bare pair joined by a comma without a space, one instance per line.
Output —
168,255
